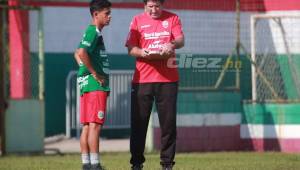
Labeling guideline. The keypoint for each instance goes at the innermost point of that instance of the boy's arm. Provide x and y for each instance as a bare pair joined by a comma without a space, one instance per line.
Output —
83,56
76,56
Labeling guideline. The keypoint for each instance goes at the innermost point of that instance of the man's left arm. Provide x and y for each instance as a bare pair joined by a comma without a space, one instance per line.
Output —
169,48
178,41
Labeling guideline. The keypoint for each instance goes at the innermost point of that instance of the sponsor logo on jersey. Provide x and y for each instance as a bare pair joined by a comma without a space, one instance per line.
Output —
165,24
105,64
85,43
145,26
83,81
156,35
155,44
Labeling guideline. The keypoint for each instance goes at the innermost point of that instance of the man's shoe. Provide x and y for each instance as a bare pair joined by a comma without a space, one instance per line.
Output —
86,166
96,167
137,167
167,167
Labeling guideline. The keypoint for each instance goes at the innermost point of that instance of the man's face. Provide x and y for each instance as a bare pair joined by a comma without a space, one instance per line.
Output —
153,9
103,17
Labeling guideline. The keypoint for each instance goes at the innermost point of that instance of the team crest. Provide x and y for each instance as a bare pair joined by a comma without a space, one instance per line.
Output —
100,114
165,24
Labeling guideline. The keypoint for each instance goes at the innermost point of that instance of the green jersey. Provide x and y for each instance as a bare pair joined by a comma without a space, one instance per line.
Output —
93,43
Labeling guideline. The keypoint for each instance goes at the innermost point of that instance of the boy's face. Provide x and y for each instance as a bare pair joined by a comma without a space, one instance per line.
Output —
103,17
153,9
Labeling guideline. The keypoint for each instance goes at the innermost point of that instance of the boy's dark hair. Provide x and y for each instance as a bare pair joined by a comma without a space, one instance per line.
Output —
98,5
161,1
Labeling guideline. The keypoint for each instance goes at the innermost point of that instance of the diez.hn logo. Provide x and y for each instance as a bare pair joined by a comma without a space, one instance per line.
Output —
204,64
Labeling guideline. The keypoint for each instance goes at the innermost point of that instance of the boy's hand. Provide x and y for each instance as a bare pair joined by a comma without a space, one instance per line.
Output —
99,78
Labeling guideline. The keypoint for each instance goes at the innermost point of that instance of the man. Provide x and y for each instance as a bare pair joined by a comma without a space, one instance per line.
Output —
153,37
93,82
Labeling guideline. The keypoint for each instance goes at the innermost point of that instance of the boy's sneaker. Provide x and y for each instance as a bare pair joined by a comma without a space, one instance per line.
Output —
137,167
167,167
86,166
96,167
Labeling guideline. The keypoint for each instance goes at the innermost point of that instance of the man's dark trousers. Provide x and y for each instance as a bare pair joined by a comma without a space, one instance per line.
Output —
142,97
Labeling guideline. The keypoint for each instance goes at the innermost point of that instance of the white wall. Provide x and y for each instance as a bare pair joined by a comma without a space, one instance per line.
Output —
206,32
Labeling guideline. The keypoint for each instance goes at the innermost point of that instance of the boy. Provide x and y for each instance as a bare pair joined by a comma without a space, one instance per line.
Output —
93,83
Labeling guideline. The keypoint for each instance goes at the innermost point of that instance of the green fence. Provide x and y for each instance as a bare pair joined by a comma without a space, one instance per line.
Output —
58,65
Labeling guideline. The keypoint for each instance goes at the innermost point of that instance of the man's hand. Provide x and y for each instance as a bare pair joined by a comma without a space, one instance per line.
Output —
145,53
167,49
158,55
99,78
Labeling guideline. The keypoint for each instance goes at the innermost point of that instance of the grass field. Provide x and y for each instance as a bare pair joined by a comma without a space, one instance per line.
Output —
184,161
